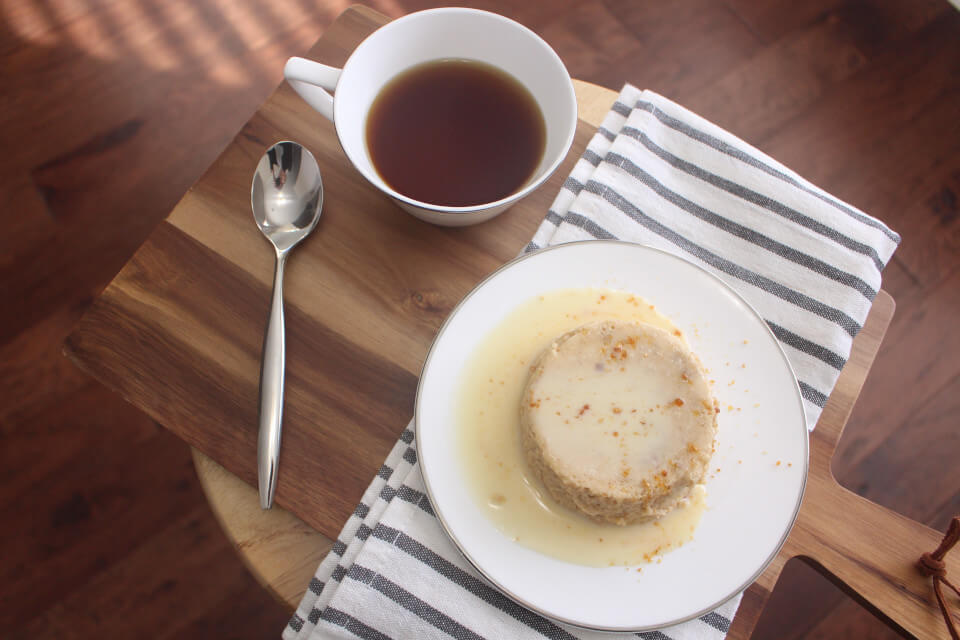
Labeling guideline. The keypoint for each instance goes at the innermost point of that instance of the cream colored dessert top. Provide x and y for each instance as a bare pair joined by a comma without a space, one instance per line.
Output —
488,424
618,420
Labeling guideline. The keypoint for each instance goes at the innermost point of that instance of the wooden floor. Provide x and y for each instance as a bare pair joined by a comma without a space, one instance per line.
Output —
110,109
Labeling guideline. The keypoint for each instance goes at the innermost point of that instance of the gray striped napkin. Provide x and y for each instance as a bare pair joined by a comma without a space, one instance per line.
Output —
655,174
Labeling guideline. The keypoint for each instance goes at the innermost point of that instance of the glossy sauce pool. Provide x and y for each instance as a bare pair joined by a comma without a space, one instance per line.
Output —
490,447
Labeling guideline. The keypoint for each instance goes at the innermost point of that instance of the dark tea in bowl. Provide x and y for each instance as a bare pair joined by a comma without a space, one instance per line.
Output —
456,133
441,160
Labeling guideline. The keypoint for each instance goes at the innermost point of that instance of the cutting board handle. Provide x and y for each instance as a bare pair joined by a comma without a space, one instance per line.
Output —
870,552
314,82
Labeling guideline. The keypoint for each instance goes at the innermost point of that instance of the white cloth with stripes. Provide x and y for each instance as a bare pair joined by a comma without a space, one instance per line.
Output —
655,174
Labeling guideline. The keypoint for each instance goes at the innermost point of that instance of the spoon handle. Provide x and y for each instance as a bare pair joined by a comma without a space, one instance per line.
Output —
271,390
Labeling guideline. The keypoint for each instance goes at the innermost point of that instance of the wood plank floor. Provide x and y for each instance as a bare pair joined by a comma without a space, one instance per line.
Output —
110,109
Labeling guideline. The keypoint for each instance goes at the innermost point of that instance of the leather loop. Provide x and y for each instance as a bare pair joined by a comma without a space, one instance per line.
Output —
932,564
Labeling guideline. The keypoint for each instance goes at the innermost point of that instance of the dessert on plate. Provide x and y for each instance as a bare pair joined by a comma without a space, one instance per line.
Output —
618,422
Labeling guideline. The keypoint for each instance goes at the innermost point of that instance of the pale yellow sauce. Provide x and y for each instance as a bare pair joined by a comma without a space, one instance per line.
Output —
489,429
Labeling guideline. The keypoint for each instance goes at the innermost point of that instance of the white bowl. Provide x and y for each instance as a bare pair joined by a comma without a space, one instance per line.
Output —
434,34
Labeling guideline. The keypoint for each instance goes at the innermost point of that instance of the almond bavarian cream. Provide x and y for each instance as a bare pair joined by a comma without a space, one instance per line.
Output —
579,522
617,421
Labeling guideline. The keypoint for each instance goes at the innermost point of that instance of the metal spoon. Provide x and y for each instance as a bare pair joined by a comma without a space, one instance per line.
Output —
286,196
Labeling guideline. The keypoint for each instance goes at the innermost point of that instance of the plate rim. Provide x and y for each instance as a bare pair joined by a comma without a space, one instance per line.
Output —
497,585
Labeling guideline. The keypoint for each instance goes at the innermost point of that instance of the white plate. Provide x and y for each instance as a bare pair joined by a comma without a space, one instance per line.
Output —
751,503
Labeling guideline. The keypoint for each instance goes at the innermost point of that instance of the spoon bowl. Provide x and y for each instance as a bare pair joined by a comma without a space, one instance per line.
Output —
286,194
286,197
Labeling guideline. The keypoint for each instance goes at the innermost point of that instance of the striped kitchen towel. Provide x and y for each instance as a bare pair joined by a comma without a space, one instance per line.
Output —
655,174
660,175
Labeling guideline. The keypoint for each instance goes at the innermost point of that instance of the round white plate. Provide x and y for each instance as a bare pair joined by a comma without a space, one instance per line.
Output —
751,502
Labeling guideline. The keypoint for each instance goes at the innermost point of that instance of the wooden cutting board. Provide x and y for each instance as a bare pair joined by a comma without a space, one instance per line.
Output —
178,333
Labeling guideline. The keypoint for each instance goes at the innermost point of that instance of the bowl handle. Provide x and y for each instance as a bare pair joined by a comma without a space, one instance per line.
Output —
313,81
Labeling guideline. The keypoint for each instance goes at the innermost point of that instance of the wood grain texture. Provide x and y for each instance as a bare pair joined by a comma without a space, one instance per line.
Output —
361,330
179,330
111,109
